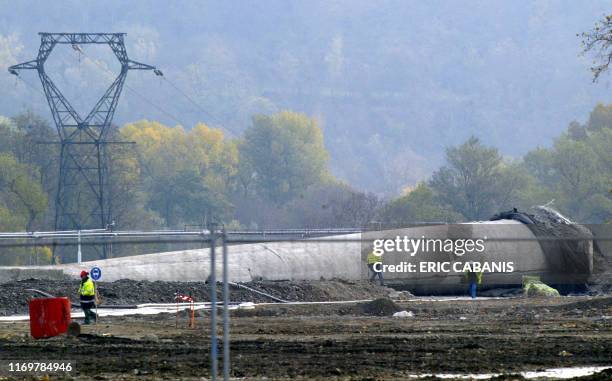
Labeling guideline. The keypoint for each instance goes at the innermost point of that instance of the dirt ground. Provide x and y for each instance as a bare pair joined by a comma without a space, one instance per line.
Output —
14,299
344,342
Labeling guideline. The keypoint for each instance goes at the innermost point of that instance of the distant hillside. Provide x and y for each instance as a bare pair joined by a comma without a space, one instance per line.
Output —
392,82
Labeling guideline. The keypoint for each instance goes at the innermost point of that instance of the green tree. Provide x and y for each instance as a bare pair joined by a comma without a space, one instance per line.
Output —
600,118
332,204
417,205
126,193
285,154
20,193
476,182
23,185
34,146
186,176
9,221
8,133
577,170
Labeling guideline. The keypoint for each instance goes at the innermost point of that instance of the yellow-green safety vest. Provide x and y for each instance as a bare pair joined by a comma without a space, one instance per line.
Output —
87,288
478,276
372,259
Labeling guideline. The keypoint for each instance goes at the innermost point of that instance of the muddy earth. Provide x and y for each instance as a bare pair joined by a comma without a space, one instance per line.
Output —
14,298
353,341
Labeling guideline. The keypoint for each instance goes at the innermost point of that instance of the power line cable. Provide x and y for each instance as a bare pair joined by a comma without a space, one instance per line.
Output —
178,89
147,100
190,99
36,89
32,87
142,97
159,108
199,106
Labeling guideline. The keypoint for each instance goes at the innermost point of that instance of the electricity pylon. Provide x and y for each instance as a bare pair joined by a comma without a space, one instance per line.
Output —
82,200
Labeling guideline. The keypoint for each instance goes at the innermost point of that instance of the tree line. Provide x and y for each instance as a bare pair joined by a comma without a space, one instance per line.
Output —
277,175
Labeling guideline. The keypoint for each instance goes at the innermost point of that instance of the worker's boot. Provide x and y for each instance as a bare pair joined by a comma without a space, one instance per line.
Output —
87,316
90,316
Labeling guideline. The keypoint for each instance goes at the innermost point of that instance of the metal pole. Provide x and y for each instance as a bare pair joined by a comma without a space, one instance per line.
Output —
226,342
79,247
96,301
213,307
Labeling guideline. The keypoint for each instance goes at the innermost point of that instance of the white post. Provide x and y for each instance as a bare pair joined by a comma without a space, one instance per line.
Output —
96,301
79,247
226,343
213,305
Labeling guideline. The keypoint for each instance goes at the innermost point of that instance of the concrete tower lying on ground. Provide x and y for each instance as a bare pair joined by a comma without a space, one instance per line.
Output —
342,257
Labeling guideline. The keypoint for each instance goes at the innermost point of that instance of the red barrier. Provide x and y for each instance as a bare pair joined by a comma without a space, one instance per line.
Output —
184,298
49,317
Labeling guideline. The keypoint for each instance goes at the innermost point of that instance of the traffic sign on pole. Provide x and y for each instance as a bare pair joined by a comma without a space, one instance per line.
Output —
96,273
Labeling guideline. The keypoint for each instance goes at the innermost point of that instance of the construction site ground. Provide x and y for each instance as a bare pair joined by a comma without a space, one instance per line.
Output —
354,341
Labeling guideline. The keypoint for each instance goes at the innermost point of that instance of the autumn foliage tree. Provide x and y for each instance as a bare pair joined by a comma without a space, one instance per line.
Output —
283,154
185,175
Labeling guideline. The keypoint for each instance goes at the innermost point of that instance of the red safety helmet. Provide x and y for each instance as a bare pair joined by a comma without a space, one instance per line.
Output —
84,273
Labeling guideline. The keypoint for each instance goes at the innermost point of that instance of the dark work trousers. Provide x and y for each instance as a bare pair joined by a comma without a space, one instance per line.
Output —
473,287
374,274
88,306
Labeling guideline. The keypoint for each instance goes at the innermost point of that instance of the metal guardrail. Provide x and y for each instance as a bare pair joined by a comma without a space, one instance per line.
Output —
233,235
95,237
100,233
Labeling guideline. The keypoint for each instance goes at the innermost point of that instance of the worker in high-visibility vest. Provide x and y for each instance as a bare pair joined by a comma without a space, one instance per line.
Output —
372,261
87,295
474,279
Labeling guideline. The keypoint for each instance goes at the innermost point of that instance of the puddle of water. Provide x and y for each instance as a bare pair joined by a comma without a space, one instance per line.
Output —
566,372
557,373
144,309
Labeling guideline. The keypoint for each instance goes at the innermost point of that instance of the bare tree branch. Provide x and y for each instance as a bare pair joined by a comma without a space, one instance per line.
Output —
598,42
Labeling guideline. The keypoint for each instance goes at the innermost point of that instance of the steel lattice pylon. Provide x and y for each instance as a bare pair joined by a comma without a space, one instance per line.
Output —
82,200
